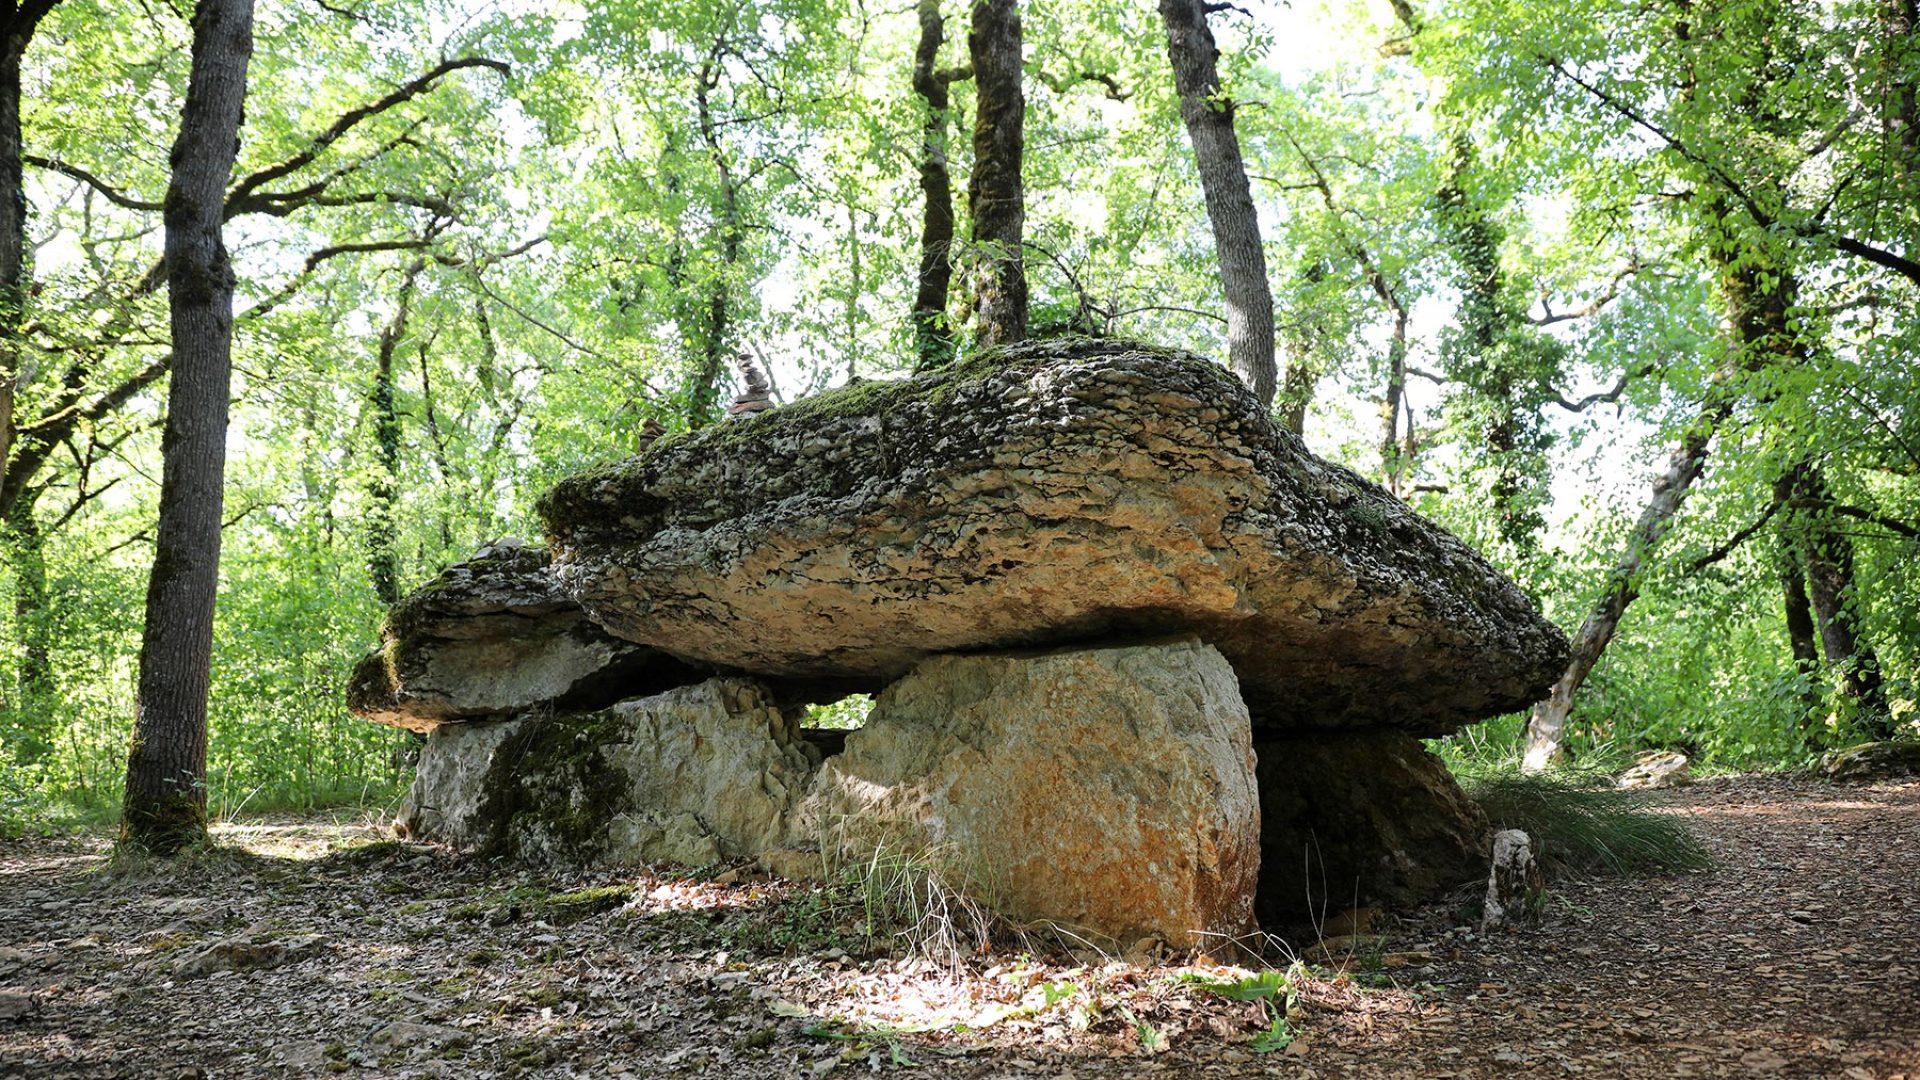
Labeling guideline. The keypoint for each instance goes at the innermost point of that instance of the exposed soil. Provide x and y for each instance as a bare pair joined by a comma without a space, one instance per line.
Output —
309,948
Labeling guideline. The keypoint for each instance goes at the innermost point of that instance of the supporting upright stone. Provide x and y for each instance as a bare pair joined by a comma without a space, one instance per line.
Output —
691,776
1357,819
1107,790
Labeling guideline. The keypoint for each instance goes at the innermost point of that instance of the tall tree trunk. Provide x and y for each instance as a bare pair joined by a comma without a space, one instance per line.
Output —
30,619
716,330
166,799
933,336
1393,463
1546,728
1800,628
1827,555
382,518
1208,115
995,192
1484,358
21,20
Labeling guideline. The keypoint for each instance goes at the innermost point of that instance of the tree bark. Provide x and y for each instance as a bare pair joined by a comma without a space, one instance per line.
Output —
1484,358
1900,19
1827,555
1546,729
995,192
1798,611
703,399
166,799
382,518
21,20
34,721
933,336
1393,462
1223,181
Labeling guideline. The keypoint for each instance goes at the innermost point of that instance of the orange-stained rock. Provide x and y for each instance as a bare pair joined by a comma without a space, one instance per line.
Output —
1109,790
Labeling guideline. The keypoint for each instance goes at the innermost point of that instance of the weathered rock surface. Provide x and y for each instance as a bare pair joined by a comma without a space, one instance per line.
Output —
1052,493
693,775
1106,789
1890,760
495,635
1350,820
1657,769
1514,883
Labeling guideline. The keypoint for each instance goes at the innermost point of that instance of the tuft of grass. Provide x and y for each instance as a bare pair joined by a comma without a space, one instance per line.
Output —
909,897
1579,826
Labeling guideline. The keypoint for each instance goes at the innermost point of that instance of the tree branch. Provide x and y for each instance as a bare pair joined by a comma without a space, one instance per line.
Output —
68,169
1893,261
1701,562
353,117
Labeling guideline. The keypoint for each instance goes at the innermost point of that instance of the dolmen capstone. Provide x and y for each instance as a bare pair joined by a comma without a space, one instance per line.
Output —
1144,666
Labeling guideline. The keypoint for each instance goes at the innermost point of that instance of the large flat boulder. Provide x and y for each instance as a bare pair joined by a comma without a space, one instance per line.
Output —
1052,493
1106,790
494,636
693,775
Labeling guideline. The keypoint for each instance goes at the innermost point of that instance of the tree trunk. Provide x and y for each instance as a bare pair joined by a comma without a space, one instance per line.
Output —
1800,629
933,337
21,20
382,517
1827,555
1484,359
1546,729
166,798
1393,463
1296,394
995,192
703,398
1223,181
30,615
1899,20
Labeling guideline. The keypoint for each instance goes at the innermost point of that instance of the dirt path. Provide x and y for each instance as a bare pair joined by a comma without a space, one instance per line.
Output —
313,949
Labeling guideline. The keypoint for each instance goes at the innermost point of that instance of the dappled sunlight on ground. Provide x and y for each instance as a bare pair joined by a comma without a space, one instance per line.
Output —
306,947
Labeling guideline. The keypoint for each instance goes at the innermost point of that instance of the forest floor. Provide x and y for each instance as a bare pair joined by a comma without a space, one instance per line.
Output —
314,947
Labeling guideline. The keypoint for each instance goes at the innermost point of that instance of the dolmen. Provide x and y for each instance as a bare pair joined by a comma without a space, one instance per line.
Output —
1143,666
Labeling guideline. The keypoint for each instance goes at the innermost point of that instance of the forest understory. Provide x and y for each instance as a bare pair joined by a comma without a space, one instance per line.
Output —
311,947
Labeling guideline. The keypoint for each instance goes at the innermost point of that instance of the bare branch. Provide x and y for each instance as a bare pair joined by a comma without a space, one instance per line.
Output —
112,194
1549,317
353,117
1701,562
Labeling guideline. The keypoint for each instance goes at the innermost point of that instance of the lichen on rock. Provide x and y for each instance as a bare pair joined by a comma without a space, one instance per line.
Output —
1052,493
693,775
493,636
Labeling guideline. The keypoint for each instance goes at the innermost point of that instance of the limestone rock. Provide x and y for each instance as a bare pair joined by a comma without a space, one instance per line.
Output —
1514,884
1657,769
1058,492
256,949
1357,819
1108,789
693,775
495,635
1888,760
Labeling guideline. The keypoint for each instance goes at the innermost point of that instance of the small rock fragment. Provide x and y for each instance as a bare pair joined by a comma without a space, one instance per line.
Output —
1514,886
1657,769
